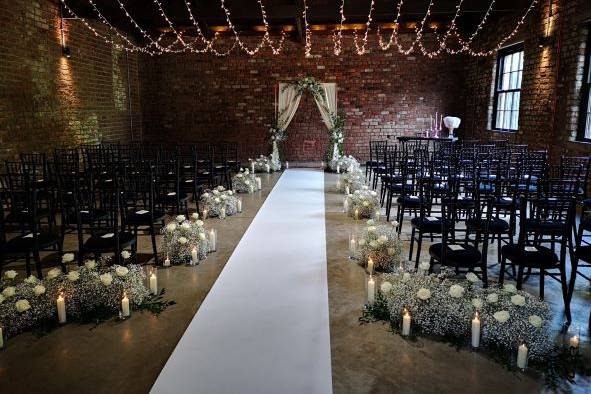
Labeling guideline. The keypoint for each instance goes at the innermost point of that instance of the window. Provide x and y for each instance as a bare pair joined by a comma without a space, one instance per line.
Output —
508,88
585,110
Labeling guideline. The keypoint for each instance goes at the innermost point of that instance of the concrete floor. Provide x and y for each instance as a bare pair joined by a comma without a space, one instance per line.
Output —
127,356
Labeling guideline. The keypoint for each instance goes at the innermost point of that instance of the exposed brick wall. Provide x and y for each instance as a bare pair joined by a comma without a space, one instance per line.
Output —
47,100
197,97
551,84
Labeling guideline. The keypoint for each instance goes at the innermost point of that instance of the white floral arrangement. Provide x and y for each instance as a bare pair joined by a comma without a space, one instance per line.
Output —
354,180
362,203
244,181
28,303
214,200
265,164
181,236
444,306
345,163
381,243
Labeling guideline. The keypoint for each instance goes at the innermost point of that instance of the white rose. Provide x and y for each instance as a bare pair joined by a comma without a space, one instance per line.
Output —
199,223
518,300
54,273
477,303
73,276
195,216
22,306
361,242
492,298
394,223
216,192
224,197
11,274
238,175
405,277
180,218
230,193
386,287
186,226
472,277
90,264
382,239
373,193
221,188
365,187
366,203
424,294
9,291
217,200
170,227
456,291
424,266
67,258
121,271
39,289
535,321
370,222
501,316
205,195
356,192
30,280
247,183
510,288
202,236
183,240
106,279
373,244
391,251
371,229
125,254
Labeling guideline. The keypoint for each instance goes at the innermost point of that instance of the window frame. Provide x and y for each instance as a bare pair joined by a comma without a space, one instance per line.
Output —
501,54
585,91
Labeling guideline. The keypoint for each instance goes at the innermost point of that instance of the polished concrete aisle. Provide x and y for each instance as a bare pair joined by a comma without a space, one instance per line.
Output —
264,326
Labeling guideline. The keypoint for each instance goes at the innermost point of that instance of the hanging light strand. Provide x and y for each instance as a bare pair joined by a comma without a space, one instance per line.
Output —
443,42
338,33
362,49
308,32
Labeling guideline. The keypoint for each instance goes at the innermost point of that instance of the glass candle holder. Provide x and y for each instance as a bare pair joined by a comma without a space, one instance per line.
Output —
353,245
213,239
522,355
371,290
405,328
222,214
572,339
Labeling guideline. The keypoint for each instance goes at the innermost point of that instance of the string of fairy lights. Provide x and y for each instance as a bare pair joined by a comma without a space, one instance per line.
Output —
449,41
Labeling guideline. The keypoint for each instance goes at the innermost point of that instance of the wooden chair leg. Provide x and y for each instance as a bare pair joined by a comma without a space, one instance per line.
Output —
565,295
153,237
573,278
419,246
38,263
28,264
412,243
542,274
520,277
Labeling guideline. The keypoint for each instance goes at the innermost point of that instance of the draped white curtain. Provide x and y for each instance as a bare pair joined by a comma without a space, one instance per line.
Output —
327,108
289,101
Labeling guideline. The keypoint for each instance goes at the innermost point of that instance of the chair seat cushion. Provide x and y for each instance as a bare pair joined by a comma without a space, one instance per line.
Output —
87,216
171,197
428,224
505,202
497,225
27,242
464,256
409,201
530,256
545,226
105,241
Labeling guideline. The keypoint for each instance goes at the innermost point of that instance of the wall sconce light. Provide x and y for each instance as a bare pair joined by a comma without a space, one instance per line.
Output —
65,49
544,39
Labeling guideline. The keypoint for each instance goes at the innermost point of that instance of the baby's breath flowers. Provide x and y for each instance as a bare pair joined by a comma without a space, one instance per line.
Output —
178,241
244,181
216,199
380,243
352,180
344,163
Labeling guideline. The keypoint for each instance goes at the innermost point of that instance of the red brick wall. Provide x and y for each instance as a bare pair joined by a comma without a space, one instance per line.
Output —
552,77
197,97
47,100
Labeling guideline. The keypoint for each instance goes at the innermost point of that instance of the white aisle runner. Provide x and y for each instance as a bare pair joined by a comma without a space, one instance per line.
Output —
264,327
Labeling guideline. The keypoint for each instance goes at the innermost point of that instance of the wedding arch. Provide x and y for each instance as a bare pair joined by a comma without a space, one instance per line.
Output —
286,105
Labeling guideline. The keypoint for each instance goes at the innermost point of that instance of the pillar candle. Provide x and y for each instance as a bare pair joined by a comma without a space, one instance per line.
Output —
370,266
259,183
61,308
338,169
153,283
239,205
212,240
252,167
347,190
338,183
346,204
205,214
250,189
377,216
405,323
287,165
167,262
352,246
441,122
125,306
1,338
371,288
574,341
522,356
268,168
476,331
356,213
194,256
431,122
222,212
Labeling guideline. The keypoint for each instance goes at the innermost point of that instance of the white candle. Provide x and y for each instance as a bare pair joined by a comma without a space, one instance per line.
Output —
153,284
287,165
194,256
259,183
239,205
347,190
405,323
356,213
377,216
338,169
346,204
125,306
205,214
252,166
167,262
370,266
431,121
250,189
574,341
1,338
222,212
371,289
338,183
352,246
441,122
212,240
522,356
61,308
268,168
476,331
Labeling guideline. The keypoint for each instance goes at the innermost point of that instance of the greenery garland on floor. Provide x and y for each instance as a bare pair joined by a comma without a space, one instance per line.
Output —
558,364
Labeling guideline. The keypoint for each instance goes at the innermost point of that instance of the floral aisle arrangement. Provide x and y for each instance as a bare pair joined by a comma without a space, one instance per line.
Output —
381,244
344,164
362,203
244,181
443,306
351,181
265,164
183,240
219,202
93,289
